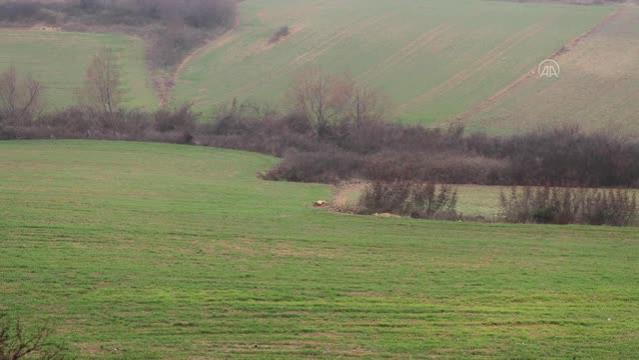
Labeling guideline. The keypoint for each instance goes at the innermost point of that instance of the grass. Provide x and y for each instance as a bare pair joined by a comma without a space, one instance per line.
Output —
434,58
596,88
144,251
60,59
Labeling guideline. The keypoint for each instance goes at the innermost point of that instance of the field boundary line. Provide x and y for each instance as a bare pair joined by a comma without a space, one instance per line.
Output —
494,99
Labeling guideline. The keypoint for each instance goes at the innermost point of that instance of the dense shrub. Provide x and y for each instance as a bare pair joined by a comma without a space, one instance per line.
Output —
173,126
548,205
371,150
566,157
417,200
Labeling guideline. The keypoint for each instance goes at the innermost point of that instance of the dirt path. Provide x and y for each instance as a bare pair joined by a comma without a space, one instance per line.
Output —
164,85
493,100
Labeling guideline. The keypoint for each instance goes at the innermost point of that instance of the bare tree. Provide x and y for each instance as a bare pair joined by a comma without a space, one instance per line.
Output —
326,99
102,85
309,95
16,343
20,99
367,104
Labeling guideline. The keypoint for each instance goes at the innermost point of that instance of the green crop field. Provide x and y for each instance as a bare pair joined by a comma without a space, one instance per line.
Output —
143,251
435,59
59,60
597,88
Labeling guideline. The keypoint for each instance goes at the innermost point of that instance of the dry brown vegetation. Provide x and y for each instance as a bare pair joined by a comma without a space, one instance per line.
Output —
547,205
417,200
331,136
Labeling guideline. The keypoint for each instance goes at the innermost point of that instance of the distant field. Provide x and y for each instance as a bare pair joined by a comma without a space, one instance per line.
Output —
59,60
434,58
597,88
148,251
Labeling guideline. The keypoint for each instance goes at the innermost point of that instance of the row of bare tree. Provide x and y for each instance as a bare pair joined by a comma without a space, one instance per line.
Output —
22,97
322,98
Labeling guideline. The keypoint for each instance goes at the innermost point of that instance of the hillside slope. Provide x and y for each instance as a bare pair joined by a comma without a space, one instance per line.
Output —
156,251
59,60
434,58
598,87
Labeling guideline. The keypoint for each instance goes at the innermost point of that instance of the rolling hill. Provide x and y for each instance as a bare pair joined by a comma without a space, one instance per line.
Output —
59,60
149,251
435,58
597,88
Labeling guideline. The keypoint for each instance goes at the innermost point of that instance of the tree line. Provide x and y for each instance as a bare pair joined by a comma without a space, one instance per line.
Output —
329,129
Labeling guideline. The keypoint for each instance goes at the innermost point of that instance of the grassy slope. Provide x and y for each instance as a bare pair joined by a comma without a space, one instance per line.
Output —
435,58
163,251
60,59
597,89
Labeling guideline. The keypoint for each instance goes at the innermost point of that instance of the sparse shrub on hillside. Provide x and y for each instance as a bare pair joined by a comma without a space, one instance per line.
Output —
546,205
417,200
16,343
279,34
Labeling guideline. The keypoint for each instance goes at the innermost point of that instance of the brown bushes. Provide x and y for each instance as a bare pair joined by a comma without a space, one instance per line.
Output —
565,157
547,205
372,150
172,126
417,200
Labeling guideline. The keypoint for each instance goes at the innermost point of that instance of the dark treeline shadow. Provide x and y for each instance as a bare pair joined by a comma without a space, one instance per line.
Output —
371,150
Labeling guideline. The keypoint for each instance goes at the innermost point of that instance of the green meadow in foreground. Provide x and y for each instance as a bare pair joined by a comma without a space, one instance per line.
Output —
435,58
144,251
59,60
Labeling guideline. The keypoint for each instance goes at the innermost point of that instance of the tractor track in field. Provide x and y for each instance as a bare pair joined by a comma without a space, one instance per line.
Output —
309,56
477,66
493,100
407,52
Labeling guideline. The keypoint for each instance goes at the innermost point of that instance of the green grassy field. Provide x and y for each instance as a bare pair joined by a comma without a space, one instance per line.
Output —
434,58
143,251
596,90
59,60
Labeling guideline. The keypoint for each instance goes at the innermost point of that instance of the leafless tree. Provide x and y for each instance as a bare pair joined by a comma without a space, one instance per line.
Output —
16,343
309,95
327,99
367,104
102,85
20,99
